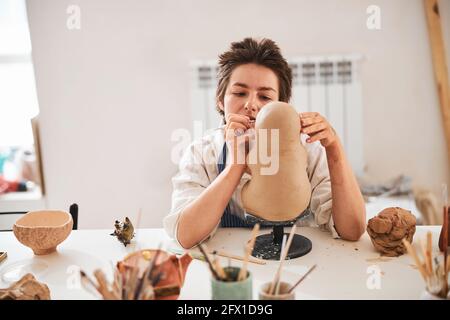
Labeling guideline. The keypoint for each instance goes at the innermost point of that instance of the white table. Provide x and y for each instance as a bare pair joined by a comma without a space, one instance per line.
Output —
343,268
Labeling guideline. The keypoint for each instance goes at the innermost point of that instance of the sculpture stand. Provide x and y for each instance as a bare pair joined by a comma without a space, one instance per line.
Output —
268,246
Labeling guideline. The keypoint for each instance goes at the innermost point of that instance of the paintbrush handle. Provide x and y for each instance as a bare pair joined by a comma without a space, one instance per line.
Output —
302,278
208,261
444,235
277,274
103,286
284,254
248,251
236,257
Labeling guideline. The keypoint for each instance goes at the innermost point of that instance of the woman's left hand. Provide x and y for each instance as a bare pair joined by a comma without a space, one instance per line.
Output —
317,128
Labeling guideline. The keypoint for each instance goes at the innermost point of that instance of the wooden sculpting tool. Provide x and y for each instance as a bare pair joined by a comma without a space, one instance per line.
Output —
274,287
211,266
221,253
302,278
248,250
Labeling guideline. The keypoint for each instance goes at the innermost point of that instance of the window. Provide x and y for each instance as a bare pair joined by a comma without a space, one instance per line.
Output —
18,101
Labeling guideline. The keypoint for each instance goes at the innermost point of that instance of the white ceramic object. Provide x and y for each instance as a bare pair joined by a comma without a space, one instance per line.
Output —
43,231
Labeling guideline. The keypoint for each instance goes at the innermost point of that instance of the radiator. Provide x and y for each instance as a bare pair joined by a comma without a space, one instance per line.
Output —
329,85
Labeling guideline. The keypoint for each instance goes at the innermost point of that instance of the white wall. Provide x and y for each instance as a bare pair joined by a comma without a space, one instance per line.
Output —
111,93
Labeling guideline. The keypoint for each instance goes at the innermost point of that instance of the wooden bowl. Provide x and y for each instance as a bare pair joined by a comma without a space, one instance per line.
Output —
43,231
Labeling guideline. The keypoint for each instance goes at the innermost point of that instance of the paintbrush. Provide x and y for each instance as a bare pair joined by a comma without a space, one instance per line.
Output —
286,251
138,287
199,256
430,251
436,280
132,282
219,269
152,263
443,237
103,285
88,284
118,283
302,278
446,271
249,248
208,261
413,254
424,251
275,285
274,281
157,278
147,275
236,257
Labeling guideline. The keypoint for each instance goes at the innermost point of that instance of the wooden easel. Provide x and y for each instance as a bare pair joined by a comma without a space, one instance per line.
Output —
440,64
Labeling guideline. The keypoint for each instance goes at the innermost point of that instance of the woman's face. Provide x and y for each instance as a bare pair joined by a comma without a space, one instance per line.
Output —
251,86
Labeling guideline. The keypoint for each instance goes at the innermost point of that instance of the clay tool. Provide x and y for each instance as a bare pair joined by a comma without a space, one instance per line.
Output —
88,284
147,275
430,251
199,256
413,254
192,253
211,267
3,256
443,237
236,257
219,268
286,250
302,278
435,279
248,250
275,278
424,251
103,285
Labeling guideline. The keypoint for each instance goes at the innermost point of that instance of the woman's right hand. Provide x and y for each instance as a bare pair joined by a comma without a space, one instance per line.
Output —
238,132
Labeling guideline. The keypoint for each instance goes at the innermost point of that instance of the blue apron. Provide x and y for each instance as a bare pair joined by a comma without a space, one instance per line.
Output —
228,219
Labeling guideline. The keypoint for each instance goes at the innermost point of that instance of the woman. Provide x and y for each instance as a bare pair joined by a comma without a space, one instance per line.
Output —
207,189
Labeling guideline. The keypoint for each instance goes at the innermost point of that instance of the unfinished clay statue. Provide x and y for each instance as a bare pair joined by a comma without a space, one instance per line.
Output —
277,191
27,288
388,229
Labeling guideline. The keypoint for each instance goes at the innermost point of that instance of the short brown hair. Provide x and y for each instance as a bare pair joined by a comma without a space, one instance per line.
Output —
264,52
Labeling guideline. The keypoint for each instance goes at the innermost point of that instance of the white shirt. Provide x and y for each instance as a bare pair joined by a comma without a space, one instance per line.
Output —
198,169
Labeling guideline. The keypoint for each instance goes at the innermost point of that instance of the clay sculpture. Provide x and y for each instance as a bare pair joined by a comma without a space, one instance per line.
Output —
27,288
281,194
